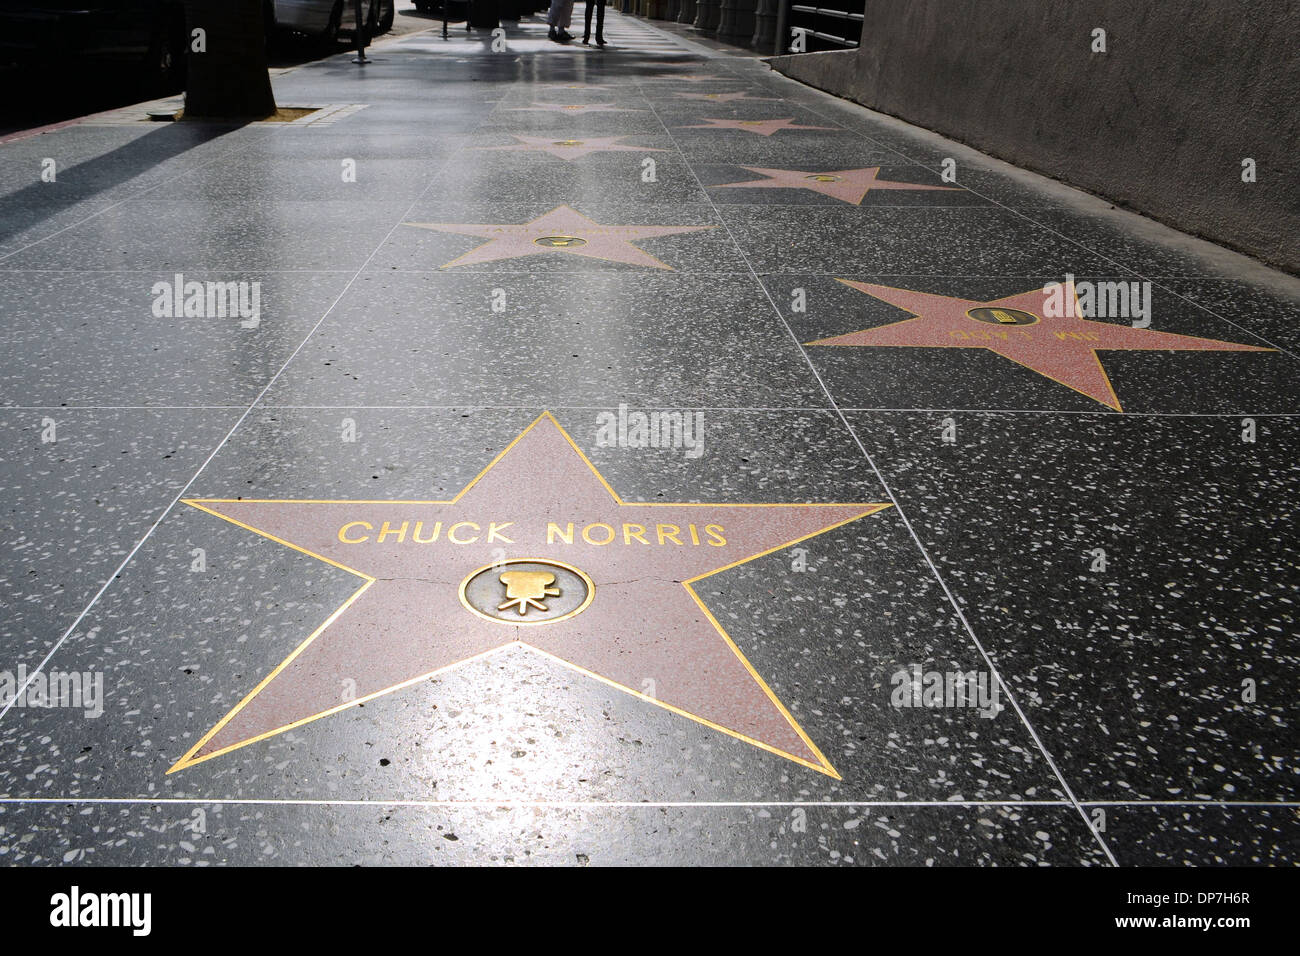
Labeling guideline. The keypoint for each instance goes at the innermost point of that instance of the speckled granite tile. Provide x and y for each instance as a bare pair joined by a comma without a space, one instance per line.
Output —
708,249
75,506
914,241
1271,312
337,178
109,163
902,377
121,338
1203,836
1162,667
597,178
179,648
240,834
711,340
219,234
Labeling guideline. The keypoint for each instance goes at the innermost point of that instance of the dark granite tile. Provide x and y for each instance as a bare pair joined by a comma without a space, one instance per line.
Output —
821,184
337,178
972,375
601,177
177,648
911,241
712,341
1272,312
121,338
26,222
1202,836
75,506
109,163
219,235
258,834
1162,667
700,250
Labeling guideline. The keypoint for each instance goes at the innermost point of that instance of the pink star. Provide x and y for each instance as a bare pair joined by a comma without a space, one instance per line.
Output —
846,185
571,148
574,108
760,127
726,97
633,612
1018,327
562,230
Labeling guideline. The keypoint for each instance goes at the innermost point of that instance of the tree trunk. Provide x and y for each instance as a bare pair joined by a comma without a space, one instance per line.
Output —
229,78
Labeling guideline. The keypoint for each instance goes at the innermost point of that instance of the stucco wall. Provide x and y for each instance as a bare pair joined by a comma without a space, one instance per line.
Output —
1159,123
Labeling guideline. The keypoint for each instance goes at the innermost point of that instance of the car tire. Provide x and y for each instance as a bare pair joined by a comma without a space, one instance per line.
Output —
386,18
330,38
163,69
268,23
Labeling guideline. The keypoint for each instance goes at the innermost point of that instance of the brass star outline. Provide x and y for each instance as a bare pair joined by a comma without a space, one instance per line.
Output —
820,764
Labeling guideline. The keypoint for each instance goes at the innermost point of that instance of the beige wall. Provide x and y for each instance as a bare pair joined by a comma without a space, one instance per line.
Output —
1160,123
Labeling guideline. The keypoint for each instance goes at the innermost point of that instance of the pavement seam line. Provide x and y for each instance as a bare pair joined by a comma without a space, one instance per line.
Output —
134,196
1060,235
898,508
238,422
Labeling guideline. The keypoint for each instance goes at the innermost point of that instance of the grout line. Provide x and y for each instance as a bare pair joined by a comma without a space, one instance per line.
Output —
921,547
489,406
605,272
630,804
234,149
221,444
834,409
1020,212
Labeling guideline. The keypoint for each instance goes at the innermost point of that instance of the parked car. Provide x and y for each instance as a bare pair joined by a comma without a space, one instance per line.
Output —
148,35
328,20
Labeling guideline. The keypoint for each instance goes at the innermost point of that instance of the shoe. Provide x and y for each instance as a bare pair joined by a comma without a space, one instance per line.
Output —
586,37
565,35
600,41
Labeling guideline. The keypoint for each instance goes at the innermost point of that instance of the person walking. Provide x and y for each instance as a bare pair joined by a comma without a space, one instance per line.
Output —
559,16
600,22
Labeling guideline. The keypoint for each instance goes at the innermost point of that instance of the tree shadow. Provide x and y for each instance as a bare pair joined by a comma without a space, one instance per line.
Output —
30,205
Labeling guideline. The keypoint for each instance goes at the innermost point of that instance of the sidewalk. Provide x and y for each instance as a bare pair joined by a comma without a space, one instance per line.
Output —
649,444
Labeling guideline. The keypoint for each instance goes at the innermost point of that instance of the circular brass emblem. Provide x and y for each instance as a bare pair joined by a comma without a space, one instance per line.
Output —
559,242
823,178
527,591
573,107
752,122
567,142
992,316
